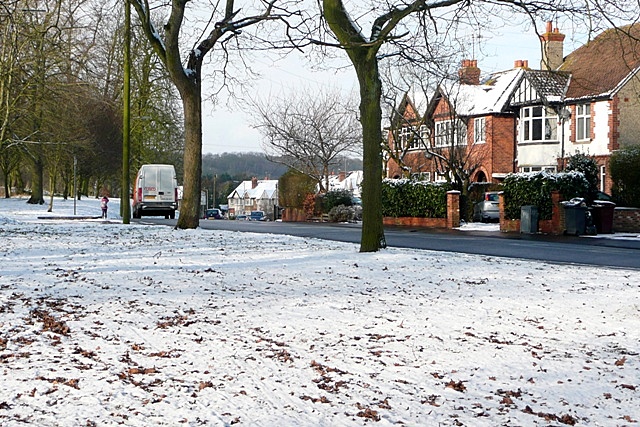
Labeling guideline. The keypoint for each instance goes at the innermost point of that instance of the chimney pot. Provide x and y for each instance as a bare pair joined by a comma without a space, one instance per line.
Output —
552,48
469,73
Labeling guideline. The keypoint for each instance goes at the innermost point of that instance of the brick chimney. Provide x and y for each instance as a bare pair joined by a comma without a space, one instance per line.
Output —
469,73
254,182
342,176
552,48
521,63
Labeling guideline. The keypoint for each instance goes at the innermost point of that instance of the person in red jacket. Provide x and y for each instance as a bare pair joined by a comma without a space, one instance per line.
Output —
103,205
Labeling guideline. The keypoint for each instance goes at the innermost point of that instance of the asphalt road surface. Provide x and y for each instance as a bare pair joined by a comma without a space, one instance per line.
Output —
557,249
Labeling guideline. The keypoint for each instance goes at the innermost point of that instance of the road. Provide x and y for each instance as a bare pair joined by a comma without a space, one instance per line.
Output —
557,249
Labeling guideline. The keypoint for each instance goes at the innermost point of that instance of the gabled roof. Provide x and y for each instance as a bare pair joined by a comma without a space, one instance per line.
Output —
599,67
399,112
541,87
490,97
351,182
266,189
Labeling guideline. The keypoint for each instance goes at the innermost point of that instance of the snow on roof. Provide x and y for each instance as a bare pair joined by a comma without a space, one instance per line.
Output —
489,97
351,182
265,189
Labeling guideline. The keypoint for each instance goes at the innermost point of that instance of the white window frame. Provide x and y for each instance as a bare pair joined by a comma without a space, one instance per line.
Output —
583,122
551,169
440,177
421,176
538,116
479,130
445,131
408,133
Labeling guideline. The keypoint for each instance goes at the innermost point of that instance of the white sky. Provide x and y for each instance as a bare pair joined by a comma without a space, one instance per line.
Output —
140,325
230,131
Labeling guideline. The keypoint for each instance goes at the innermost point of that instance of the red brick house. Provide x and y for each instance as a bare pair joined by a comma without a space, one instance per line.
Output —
466,120
525,120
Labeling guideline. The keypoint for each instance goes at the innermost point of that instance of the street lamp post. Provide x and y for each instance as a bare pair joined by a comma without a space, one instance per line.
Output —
565,114
214,191
126,119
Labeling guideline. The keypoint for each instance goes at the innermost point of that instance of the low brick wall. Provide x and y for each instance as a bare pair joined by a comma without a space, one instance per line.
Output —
451,221
626,220
555,225
293,215
416,222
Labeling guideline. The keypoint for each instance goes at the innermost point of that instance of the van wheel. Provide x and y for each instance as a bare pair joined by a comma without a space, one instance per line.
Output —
172,215
136,215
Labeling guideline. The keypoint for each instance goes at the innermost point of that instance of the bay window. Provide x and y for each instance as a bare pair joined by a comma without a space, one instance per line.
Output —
538,124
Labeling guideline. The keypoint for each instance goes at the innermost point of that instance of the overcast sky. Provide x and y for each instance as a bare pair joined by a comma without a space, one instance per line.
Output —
226,131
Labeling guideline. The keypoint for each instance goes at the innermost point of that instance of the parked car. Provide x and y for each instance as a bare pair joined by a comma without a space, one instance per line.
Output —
603,196
213,214
241,218
155,191
488,209
257,216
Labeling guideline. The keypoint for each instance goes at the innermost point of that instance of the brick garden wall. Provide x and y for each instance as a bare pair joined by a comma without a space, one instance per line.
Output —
626,220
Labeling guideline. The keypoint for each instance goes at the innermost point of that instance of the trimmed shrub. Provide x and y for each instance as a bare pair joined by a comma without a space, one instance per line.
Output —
589,167
342,213
534,188
624,167
335,198
407,198
293,188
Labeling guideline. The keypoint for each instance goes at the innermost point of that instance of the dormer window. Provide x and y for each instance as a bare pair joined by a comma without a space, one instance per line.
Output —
538,124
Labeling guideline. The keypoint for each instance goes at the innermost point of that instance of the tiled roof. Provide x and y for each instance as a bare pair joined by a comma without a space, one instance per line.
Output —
599,66
550,85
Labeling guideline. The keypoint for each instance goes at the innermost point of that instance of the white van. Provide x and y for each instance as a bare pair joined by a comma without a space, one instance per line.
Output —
155,192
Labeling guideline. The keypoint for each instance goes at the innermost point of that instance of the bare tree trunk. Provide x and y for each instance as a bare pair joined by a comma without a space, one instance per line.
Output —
190,207
371,116
37,180
7,186
363,57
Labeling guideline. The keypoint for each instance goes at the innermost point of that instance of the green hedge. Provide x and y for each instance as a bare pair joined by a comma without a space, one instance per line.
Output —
624,168
407,198
534,188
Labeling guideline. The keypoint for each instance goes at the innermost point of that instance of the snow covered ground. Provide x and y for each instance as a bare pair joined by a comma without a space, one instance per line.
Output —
110,324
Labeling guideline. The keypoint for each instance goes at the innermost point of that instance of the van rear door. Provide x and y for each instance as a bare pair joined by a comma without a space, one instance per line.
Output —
158,184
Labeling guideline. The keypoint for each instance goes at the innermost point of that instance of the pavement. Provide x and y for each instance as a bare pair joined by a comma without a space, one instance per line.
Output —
618,240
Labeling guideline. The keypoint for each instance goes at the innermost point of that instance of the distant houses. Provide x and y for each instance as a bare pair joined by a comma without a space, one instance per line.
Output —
254,195
350,181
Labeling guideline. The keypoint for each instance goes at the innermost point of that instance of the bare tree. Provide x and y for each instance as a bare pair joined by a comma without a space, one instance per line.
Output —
228,25
309,131
394,31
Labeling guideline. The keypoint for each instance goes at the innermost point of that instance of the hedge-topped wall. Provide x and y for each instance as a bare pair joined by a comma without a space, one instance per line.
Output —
418,199
534,188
